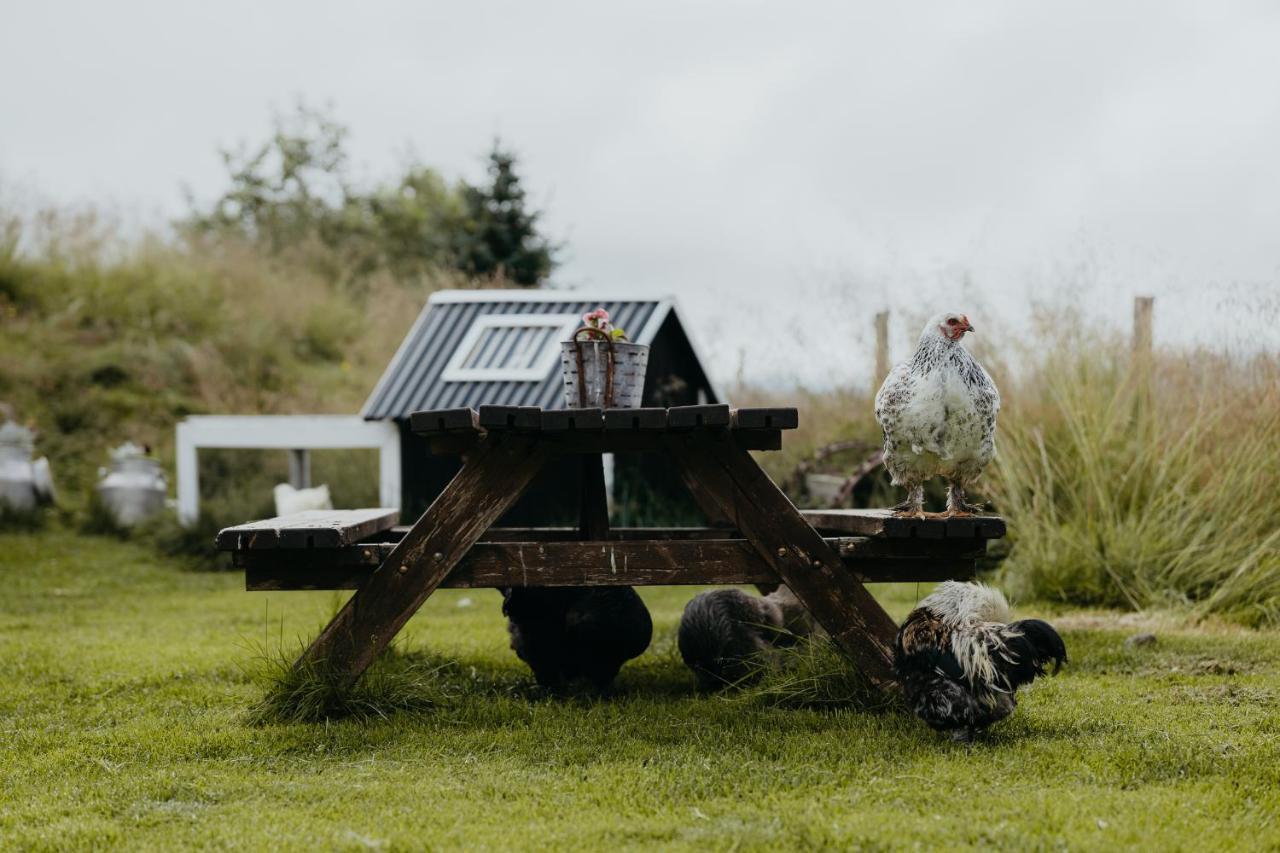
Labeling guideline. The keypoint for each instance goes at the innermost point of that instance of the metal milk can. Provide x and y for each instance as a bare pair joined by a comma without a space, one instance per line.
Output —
23,483
134,487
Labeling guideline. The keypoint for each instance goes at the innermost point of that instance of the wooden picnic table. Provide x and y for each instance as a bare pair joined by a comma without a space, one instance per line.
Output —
825,557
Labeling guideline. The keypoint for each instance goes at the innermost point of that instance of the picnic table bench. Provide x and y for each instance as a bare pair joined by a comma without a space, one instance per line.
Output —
824,556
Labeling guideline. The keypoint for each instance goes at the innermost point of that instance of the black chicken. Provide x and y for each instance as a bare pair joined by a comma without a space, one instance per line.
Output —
566,633
960,660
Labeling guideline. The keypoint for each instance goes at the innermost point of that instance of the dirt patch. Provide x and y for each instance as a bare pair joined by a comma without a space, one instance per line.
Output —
1231,694
1155,622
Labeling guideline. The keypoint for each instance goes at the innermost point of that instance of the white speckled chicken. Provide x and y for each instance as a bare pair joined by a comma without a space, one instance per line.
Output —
938,412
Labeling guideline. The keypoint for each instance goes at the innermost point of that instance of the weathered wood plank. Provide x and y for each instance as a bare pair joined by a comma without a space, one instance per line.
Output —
962,528
882,522
850,548
613,441
698,417
432,421
802,559
512,418
635,563
765,418
564,534
572,420
631,420
317,528
492,478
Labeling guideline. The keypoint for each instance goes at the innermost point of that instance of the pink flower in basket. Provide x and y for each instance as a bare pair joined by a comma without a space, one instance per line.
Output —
599,320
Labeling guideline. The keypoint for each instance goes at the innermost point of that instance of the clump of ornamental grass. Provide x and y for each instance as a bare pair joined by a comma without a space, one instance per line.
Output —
1143,481
812,674
307,693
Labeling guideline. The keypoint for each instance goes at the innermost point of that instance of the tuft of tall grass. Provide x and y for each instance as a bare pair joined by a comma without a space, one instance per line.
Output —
813,674
1143,483
396,683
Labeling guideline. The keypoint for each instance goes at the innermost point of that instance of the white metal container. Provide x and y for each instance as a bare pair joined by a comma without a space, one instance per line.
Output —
134,487
611,375
824,488
23,483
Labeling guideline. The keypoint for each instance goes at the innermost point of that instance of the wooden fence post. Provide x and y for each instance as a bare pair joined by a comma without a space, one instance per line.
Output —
300,468
882,350
1143,308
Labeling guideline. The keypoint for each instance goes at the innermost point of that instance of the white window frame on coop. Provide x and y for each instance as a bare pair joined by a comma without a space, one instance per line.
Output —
457,371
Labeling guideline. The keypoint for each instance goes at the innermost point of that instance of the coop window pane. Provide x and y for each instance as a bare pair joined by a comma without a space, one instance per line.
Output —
510,347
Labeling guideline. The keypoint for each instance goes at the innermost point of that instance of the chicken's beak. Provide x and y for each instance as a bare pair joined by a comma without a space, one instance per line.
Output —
968,327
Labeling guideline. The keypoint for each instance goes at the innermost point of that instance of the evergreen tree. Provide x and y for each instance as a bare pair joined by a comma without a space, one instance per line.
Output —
499,235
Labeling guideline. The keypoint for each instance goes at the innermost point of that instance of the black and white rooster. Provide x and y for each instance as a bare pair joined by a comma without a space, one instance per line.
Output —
938,412
960,659
567,633
724,633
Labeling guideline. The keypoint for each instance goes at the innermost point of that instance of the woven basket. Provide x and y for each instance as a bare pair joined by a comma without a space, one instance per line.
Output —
601,372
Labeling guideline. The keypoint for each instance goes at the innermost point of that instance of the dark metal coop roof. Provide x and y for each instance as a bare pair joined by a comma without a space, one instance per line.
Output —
471,347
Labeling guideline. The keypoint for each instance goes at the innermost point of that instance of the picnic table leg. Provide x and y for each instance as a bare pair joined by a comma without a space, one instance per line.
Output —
728,476
593,513
492,478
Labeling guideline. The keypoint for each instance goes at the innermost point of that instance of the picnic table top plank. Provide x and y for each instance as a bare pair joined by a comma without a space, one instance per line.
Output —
511,418
649,419
444,420
572,420
766,418
694,417
633,420
604,441
317,528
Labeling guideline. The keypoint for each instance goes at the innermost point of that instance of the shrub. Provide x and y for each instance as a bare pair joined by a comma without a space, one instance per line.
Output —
1143,485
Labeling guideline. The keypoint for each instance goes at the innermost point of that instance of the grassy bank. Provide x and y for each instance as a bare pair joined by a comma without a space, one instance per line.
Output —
107,339
129,680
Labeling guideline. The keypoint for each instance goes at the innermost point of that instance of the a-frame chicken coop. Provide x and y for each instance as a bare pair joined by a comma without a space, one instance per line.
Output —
502,347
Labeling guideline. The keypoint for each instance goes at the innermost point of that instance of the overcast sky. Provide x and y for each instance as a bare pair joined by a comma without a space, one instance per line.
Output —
785,169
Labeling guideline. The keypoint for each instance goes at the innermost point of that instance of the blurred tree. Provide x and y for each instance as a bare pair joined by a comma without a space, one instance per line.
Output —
295,189
287,189
500,235
413,222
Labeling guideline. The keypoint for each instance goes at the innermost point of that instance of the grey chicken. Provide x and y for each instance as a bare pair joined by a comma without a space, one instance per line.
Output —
725,632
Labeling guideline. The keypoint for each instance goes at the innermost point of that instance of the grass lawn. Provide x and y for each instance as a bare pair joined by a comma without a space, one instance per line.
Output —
127,682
